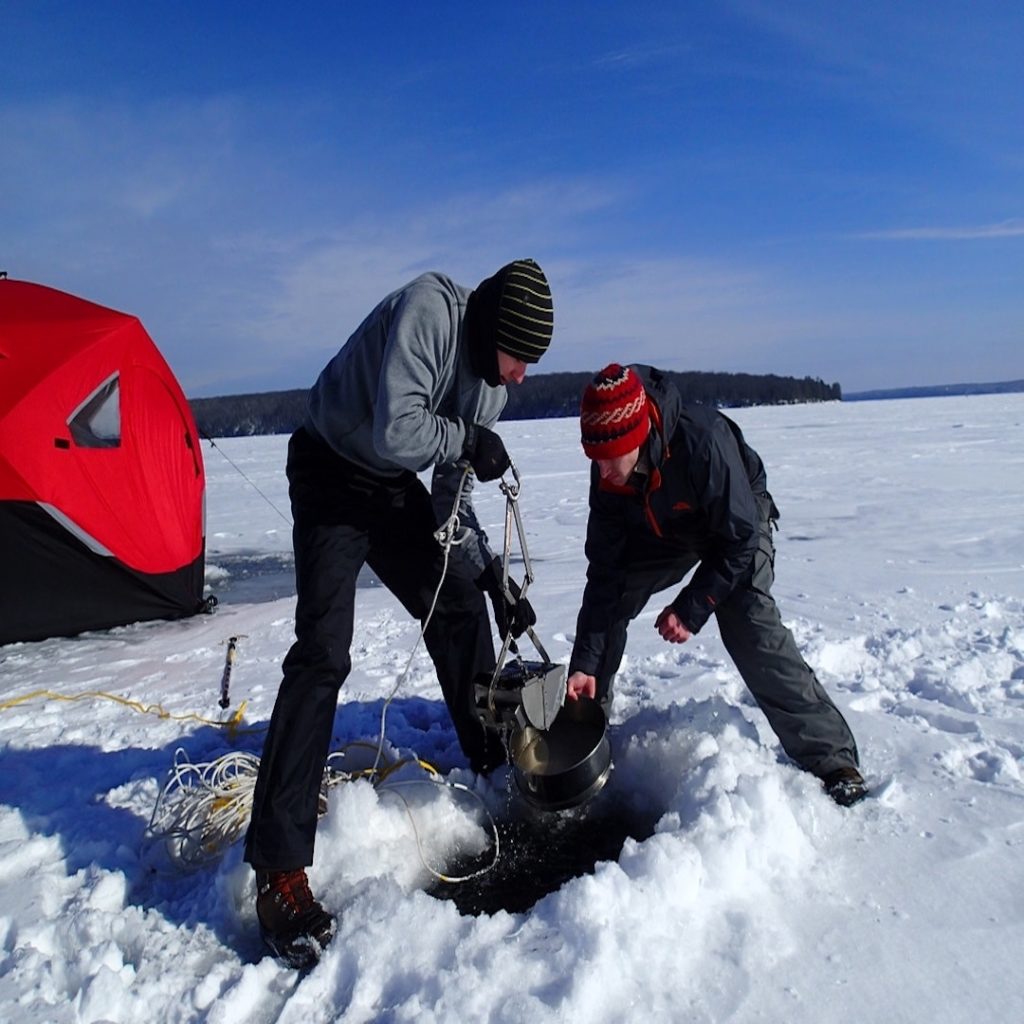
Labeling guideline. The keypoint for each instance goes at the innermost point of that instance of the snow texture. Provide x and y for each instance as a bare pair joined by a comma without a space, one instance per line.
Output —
899,569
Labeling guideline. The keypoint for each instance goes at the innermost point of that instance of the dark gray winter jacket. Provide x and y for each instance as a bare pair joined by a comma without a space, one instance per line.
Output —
699,498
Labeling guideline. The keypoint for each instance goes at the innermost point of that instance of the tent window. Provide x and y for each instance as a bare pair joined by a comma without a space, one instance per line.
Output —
96,423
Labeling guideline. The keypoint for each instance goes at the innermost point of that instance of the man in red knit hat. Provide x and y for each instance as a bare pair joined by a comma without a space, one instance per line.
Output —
673,487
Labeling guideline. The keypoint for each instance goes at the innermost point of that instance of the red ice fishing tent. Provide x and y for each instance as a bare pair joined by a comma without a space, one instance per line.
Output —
101,474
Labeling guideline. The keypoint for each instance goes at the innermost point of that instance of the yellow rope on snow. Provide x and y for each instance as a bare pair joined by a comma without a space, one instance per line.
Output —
231,724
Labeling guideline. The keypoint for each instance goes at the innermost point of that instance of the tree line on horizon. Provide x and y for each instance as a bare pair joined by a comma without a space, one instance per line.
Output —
540,396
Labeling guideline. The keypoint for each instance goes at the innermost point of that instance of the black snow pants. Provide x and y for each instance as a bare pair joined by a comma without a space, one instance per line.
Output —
344,517
810,727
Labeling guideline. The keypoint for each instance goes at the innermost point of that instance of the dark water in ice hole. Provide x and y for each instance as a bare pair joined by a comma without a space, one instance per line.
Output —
539,852
254,577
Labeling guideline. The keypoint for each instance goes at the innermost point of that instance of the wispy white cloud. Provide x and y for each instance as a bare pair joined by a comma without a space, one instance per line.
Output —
639,56
932,67
296,294
1013,228
202,216
66,154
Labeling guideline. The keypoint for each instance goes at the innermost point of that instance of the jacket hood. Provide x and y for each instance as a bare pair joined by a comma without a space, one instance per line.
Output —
667,404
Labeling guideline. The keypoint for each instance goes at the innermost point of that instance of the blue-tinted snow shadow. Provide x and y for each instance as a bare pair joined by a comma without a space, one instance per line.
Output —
63,791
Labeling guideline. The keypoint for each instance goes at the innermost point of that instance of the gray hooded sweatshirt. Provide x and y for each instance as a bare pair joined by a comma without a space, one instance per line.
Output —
401,392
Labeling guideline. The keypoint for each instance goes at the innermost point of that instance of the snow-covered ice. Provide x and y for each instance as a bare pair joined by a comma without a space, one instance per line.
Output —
901,571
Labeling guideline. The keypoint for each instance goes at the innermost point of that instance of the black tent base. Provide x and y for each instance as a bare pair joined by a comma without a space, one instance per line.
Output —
52,584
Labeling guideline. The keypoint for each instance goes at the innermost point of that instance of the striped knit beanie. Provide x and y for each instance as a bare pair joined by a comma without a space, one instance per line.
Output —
614,418
514,309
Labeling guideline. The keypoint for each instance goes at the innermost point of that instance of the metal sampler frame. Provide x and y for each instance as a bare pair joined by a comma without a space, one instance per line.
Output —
542,691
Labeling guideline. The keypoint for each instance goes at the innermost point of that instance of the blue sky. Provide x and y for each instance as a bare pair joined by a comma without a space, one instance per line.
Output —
819,189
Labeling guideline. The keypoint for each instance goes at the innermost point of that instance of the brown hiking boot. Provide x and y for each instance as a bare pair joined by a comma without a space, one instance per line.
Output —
846,786
293,925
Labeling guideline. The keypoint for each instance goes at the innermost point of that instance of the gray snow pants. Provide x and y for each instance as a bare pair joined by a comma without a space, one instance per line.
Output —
810,727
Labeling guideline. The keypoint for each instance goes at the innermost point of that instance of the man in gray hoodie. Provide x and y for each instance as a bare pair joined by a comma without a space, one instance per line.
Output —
420,383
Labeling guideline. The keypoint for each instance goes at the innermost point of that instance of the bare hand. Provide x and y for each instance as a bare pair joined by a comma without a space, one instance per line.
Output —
581,685
670,627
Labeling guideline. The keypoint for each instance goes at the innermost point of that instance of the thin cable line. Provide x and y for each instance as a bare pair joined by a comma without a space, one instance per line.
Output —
237,469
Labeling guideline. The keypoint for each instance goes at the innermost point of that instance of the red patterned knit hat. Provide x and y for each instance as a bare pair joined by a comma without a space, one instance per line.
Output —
614,418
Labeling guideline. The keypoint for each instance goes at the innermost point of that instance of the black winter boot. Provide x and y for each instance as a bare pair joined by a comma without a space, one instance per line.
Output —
846,786
294,926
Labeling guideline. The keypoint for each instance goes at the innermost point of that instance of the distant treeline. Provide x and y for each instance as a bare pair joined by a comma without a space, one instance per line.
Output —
540,396
1002,387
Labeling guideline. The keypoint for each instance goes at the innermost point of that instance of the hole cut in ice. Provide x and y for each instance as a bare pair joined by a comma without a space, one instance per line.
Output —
540,851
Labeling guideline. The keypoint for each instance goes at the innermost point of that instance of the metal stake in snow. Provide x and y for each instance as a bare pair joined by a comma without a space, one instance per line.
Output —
229,661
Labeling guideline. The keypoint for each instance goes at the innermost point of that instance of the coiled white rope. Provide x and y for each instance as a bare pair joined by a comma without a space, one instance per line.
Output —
203,809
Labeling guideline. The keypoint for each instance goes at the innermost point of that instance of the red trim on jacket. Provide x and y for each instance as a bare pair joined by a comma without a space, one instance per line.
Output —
653,484
654,480
607,485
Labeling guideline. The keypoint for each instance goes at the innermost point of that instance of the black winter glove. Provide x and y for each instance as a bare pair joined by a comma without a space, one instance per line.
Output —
485,452
509,616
